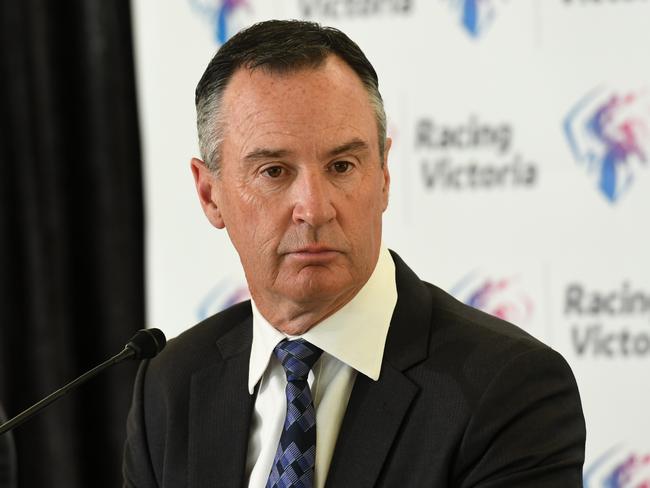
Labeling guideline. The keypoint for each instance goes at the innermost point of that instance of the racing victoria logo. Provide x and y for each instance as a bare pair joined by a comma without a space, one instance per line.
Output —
618,468
475,15
220,14
223,295
501,297
609,133
471,155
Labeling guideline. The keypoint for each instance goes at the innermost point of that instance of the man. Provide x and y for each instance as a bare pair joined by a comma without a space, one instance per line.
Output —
345,370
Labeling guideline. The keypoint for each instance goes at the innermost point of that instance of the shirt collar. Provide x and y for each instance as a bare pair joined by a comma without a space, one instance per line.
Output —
355,335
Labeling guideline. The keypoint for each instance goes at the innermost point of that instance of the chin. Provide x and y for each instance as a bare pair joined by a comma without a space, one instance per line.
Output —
321,291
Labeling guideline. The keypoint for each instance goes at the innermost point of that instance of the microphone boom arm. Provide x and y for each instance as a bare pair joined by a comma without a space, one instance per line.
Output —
146,343
34,409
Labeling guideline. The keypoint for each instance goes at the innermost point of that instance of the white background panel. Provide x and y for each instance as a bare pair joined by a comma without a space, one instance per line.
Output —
512,248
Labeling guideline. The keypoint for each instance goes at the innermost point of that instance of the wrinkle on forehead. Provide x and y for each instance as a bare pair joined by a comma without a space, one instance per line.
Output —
311,110
249,91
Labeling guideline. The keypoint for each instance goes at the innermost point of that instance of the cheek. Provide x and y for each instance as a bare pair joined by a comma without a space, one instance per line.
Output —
371,211
242,227
364,222
238,208
372,201
255,232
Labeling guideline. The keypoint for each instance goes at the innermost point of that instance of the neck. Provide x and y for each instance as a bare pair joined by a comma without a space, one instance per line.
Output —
294,318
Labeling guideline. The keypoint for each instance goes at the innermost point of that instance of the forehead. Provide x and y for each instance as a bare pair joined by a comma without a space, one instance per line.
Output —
326,102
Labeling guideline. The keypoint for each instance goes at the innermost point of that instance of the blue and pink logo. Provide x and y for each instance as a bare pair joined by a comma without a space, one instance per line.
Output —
501,297
220,15
224,294
609,133
618,468
475,15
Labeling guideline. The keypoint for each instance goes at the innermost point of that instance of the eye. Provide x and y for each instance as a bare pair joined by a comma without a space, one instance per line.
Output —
341,166
273,171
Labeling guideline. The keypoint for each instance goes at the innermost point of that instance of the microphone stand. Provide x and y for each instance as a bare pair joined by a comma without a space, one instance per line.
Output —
34,409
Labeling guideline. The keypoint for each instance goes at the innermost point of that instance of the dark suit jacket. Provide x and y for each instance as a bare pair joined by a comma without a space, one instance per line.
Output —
463,400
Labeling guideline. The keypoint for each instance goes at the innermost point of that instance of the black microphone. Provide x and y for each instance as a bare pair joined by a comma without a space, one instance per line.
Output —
146,343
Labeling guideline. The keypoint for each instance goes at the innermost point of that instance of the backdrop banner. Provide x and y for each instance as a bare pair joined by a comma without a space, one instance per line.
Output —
520,175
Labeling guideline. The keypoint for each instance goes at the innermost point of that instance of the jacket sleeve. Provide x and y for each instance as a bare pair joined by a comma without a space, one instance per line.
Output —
528,430
137,467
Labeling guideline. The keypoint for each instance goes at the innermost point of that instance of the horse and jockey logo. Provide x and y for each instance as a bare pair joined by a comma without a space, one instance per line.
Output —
221,15
618,468
609,133
501,297
225,293
475,15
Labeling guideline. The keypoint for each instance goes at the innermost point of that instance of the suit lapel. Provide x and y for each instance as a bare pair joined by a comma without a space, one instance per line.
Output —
371,422
219,414
377,408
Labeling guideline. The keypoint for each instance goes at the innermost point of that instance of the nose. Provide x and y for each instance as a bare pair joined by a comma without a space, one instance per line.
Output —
313,203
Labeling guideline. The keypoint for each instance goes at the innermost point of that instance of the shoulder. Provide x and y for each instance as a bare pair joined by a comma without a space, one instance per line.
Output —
466,343
512,390
163,391
454,319
488,391
482,346
204,343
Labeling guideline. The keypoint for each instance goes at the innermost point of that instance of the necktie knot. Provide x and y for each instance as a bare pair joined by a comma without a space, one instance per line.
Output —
297,358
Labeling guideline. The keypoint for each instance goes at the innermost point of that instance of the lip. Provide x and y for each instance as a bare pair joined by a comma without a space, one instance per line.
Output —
314,253
314,249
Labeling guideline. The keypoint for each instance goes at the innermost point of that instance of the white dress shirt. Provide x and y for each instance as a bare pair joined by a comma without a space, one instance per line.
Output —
352,341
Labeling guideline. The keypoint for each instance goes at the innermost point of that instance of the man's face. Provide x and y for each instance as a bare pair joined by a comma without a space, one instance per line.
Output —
302,187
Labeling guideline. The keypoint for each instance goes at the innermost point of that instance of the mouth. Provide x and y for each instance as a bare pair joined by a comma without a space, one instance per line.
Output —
314,253
314,249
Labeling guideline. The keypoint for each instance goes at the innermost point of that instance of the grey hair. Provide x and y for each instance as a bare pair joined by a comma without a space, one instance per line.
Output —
211,129
278,46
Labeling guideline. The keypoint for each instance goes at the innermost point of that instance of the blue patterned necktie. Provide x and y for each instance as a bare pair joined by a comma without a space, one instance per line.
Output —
293,465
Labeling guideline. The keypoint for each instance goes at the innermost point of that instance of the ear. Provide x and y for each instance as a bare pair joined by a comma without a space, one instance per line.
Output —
206,187
386,175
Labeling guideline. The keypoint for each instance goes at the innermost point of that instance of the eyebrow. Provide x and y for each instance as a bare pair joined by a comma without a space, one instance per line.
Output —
262,153
355,145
